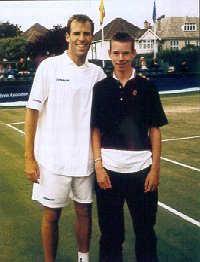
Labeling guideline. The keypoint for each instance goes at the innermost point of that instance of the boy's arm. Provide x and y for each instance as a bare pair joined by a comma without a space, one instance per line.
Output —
101,175
152,180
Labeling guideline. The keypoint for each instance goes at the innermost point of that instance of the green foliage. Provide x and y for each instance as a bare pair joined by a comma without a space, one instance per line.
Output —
9,30
51,43
189,53
175,57
190,47
12,48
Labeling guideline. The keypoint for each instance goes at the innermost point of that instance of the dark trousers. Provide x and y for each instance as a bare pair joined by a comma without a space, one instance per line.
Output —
142,207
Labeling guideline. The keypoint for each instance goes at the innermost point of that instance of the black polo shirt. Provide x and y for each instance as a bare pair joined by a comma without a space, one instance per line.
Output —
125,114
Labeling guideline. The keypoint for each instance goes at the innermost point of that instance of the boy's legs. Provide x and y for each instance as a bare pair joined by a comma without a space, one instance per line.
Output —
110,204
143,208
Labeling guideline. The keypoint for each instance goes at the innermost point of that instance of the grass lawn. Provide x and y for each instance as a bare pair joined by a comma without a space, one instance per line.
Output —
178,239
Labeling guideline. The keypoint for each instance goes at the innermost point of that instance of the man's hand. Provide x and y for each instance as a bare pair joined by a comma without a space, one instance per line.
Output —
152,181
32,171
102,176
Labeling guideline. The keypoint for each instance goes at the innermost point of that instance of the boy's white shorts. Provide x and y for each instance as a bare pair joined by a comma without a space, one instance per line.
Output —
54,190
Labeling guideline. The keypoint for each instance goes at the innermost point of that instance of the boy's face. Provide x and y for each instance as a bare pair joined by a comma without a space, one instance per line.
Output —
121,54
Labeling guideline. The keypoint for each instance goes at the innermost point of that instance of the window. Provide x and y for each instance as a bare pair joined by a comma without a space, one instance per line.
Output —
187,43
174,45
190,27
147,44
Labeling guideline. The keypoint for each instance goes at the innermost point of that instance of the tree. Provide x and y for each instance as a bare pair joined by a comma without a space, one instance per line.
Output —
12,48
190,47
190,54
9,30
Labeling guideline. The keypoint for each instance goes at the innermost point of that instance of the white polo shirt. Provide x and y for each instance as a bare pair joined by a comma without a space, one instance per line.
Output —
62,93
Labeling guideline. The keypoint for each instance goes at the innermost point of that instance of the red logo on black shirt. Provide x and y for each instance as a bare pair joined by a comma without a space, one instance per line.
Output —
134,93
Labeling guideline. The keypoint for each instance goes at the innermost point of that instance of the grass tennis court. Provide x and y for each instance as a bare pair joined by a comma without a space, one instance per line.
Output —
178,226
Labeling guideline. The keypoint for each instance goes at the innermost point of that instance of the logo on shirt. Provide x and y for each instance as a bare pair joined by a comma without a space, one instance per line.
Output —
134,93
62,80
49,199
37,100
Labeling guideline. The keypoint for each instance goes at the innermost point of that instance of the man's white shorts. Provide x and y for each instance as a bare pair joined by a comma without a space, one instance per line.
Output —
54,190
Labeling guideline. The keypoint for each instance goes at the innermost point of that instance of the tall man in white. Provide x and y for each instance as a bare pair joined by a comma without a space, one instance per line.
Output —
58,153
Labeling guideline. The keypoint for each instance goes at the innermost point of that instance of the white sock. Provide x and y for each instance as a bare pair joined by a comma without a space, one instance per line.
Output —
83,257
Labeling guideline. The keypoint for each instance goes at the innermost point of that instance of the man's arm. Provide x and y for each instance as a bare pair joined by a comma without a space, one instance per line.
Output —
102,177
31,166
152,180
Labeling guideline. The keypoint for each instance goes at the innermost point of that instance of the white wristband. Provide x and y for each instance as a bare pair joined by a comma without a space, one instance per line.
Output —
98,159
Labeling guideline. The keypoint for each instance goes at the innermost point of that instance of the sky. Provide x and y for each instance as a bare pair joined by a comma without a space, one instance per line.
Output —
50,13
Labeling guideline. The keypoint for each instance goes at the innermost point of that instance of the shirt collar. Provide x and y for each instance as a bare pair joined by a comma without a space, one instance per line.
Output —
132,75
71,62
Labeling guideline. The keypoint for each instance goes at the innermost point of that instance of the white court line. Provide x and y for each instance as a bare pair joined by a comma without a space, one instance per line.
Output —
18,123
177,213
18,130
181,138
180,164
172,210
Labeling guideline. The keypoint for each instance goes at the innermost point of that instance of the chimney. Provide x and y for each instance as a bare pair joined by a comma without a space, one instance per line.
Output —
149,26
146,24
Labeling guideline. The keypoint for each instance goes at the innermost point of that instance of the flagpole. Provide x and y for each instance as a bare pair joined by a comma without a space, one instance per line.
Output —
102,15
154,55
102,45
154,20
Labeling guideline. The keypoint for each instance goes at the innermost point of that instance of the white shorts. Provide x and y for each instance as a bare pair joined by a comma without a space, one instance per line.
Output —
54,190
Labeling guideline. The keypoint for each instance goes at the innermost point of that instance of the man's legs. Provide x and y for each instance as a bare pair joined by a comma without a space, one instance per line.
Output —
82,193
143,208
83,227
50,233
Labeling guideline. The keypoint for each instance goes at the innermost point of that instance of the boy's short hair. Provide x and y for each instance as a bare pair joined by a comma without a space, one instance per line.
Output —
123,37
82,19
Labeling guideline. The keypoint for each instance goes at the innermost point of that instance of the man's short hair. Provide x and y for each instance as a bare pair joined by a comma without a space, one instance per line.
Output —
81,19
123,37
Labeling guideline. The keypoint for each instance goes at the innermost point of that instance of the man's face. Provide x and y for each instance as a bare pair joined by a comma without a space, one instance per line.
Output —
79,39
121,54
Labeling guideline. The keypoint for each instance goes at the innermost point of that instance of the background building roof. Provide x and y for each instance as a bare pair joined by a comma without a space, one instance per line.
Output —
117,25
34,32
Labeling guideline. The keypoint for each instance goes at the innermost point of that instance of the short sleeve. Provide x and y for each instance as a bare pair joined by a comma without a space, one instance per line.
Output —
156,111
40,88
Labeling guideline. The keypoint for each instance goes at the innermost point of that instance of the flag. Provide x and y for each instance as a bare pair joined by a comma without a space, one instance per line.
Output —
102,11
154,12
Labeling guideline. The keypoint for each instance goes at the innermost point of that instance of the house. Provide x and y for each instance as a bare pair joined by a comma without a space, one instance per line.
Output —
177,32
99,50
168,33
144,38
147,41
